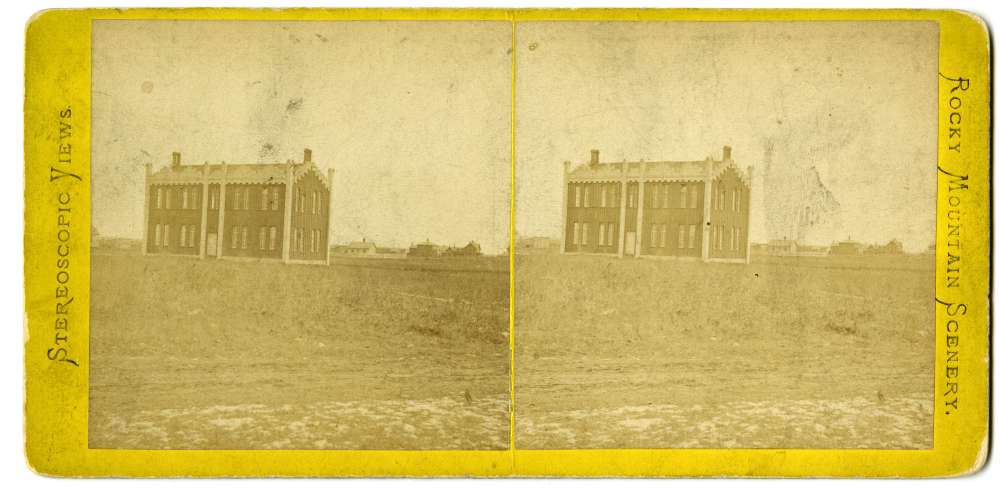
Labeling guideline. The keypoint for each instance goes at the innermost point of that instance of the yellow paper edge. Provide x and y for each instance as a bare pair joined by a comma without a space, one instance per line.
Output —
57,77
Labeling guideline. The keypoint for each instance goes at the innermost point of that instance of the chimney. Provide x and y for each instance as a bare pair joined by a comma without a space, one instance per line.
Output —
176,160
307,156
595,157
727,153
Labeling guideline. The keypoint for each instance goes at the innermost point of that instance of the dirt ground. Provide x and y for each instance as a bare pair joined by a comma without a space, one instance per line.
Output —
820,352
363,354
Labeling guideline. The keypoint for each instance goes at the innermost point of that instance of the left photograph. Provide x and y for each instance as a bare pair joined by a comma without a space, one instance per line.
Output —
300,235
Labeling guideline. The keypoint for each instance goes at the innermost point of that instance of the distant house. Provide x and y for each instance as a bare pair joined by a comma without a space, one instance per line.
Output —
782,247
680,209
277,212
424,249
846,248
891,248
470,249
362,248
537,244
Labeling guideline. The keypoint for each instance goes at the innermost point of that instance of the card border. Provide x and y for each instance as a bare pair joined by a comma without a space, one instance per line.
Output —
57,77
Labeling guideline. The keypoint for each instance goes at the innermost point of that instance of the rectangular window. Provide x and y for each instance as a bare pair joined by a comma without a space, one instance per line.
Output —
246,199
213,198
184,199
262,238
680,235
184,233
264,199
576,233
237,199
166,198
691,233
694,196
734,201
157,235
585,233
273,238
243,238
684,195
274,199
612,236
159,197
235,237
732,238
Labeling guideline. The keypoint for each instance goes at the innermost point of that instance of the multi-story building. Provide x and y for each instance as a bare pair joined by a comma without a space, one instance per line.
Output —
277,212
680,209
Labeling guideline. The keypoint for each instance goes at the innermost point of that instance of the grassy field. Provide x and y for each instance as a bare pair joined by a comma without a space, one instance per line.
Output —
357,355
819,352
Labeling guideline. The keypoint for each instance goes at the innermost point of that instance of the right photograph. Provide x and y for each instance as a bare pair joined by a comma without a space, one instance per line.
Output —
725,234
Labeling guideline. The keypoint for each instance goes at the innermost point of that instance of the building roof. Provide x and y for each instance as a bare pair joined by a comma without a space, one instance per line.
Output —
262,173
661,170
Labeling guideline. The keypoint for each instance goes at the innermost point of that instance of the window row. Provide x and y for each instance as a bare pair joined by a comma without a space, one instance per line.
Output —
726,238
732,199
314,198
605,195
606,233
299,240
602,195
686,235
186,197
185,238
245,197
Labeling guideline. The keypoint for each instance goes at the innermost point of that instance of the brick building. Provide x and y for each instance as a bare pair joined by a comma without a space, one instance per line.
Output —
682,209
239,211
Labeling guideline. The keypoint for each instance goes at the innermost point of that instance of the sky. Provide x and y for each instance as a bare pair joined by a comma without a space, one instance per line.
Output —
854,100
415,118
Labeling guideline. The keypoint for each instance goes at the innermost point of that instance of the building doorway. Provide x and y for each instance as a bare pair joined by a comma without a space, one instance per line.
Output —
212,243
630,243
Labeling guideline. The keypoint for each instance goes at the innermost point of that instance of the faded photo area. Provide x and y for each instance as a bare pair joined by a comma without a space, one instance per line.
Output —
300,235
725,234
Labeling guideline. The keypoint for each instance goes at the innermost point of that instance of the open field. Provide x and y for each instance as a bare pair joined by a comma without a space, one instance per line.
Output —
818,352
357,355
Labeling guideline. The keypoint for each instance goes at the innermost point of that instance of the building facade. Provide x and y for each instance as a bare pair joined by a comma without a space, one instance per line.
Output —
678,209
278,212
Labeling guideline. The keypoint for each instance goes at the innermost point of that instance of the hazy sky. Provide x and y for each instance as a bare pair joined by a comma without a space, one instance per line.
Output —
414,117
855,100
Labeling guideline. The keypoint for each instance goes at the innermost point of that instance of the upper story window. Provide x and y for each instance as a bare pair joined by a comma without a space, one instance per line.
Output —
166,197
237,194
684,196
275,196
577,195
265,197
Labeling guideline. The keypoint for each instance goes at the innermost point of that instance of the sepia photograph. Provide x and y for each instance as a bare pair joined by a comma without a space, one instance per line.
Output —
300,235
725,234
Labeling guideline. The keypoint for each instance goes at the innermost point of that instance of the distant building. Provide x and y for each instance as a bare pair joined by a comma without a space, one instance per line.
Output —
846,248
470,249
782,247
275,212
891,248
424,249
680,209
362,248
537,244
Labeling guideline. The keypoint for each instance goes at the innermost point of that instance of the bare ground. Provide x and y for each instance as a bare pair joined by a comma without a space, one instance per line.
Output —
358,355
780,353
